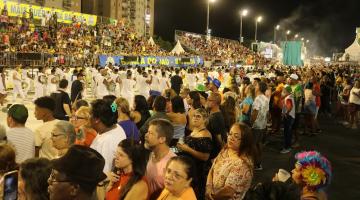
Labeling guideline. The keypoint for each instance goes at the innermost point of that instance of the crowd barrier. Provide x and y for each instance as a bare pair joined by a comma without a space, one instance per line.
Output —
12,59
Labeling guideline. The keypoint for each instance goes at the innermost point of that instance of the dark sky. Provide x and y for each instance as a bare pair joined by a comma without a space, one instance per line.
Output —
329,24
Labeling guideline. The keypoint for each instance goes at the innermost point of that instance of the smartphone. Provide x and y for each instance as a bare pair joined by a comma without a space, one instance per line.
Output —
11,185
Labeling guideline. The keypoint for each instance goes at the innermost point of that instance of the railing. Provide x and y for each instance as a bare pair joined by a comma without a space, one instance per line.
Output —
11,59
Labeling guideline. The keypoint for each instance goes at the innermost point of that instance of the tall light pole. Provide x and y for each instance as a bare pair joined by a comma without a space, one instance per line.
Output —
243,13
287,33
296,36
276,28
208,15
258,20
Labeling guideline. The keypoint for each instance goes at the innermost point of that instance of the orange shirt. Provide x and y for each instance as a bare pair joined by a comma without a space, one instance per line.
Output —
87,138
114,192
188,194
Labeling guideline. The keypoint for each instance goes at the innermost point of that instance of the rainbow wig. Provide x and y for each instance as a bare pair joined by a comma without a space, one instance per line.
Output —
315,169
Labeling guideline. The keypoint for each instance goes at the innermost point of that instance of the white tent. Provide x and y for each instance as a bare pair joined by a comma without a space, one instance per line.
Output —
151,41
178,49
352,53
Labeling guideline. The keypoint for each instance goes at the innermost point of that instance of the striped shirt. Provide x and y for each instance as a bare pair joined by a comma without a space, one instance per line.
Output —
23,140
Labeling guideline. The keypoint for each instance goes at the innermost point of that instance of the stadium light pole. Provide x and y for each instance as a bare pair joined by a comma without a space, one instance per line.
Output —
208,15
287,33
276,28
296,36
243,13
258,20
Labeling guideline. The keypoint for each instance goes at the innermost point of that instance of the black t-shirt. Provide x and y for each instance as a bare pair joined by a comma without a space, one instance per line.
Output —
60,98
76,89
176,82
216,126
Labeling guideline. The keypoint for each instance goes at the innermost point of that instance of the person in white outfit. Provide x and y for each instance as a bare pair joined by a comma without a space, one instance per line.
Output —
26,79
101,84
53,81
2,86
143,85
17,87
40,82
128,87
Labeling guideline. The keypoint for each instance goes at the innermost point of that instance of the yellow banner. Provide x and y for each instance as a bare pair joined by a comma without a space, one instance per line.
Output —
17,9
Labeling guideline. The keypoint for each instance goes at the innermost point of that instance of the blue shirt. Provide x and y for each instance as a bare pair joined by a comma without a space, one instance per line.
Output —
131,131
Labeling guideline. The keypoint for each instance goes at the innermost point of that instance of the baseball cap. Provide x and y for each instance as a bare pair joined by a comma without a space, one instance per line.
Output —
18,112
294,76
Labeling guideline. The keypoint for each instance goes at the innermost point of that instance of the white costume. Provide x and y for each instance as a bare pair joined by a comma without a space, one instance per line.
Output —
51,87
127,90
40,88
101,89
143,87
17,87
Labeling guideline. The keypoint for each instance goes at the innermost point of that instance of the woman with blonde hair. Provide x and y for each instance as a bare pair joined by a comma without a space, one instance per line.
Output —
81,121
124,119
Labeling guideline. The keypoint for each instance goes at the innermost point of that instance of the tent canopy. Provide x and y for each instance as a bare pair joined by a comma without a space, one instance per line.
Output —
352,53
178,49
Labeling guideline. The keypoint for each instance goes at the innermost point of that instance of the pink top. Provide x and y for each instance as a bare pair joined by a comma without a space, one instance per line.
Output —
155,172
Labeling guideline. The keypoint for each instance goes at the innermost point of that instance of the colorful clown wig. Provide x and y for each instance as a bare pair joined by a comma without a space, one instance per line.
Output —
315,169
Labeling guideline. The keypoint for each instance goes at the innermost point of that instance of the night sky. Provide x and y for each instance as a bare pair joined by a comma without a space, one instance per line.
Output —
328,24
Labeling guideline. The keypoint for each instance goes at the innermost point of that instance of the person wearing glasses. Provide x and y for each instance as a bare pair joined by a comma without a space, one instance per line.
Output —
180,175
63,136
85,134
198,146
232,171
76,174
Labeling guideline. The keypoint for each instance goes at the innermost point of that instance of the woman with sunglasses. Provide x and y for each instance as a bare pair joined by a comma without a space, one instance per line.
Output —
198,146
180,175
81,121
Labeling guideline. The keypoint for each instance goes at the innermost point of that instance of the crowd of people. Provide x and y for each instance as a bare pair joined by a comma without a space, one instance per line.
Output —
225,50
171,133
130,132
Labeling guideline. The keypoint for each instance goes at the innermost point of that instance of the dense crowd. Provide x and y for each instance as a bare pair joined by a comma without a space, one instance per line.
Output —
171,133
213,48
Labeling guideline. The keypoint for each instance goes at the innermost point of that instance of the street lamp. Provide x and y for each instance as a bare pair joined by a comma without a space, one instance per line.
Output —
307,41
302,39
287,33
276,28
296,36
208,15
258,20
243,13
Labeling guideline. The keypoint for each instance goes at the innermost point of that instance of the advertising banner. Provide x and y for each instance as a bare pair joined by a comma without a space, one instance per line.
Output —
145,61
17,9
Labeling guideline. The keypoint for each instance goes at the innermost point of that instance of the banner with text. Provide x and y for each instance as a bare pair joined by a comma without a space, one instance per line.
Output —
17,9
145,61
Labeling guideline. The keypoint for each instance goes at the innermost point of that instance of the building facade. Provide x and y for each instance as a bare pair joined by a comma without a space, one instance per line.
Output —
140,13
70,5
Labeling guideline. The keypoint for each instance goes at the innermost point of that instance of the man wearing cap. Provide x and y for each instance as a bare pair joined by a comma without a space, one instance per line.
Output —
44,110
297,92
76,174
21,137
214,85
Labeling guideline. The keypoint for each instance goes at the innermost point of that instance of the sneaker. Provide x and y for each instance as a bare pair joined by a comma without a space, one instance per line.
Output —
258,168
285,151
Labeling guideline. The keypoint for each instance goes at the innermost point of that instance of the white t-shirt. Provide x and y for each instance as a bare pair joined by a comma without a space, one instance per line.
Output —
24,142
43,140
162,84
17,75
101,88
261,104
106,144
353,98
155,83
127,87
